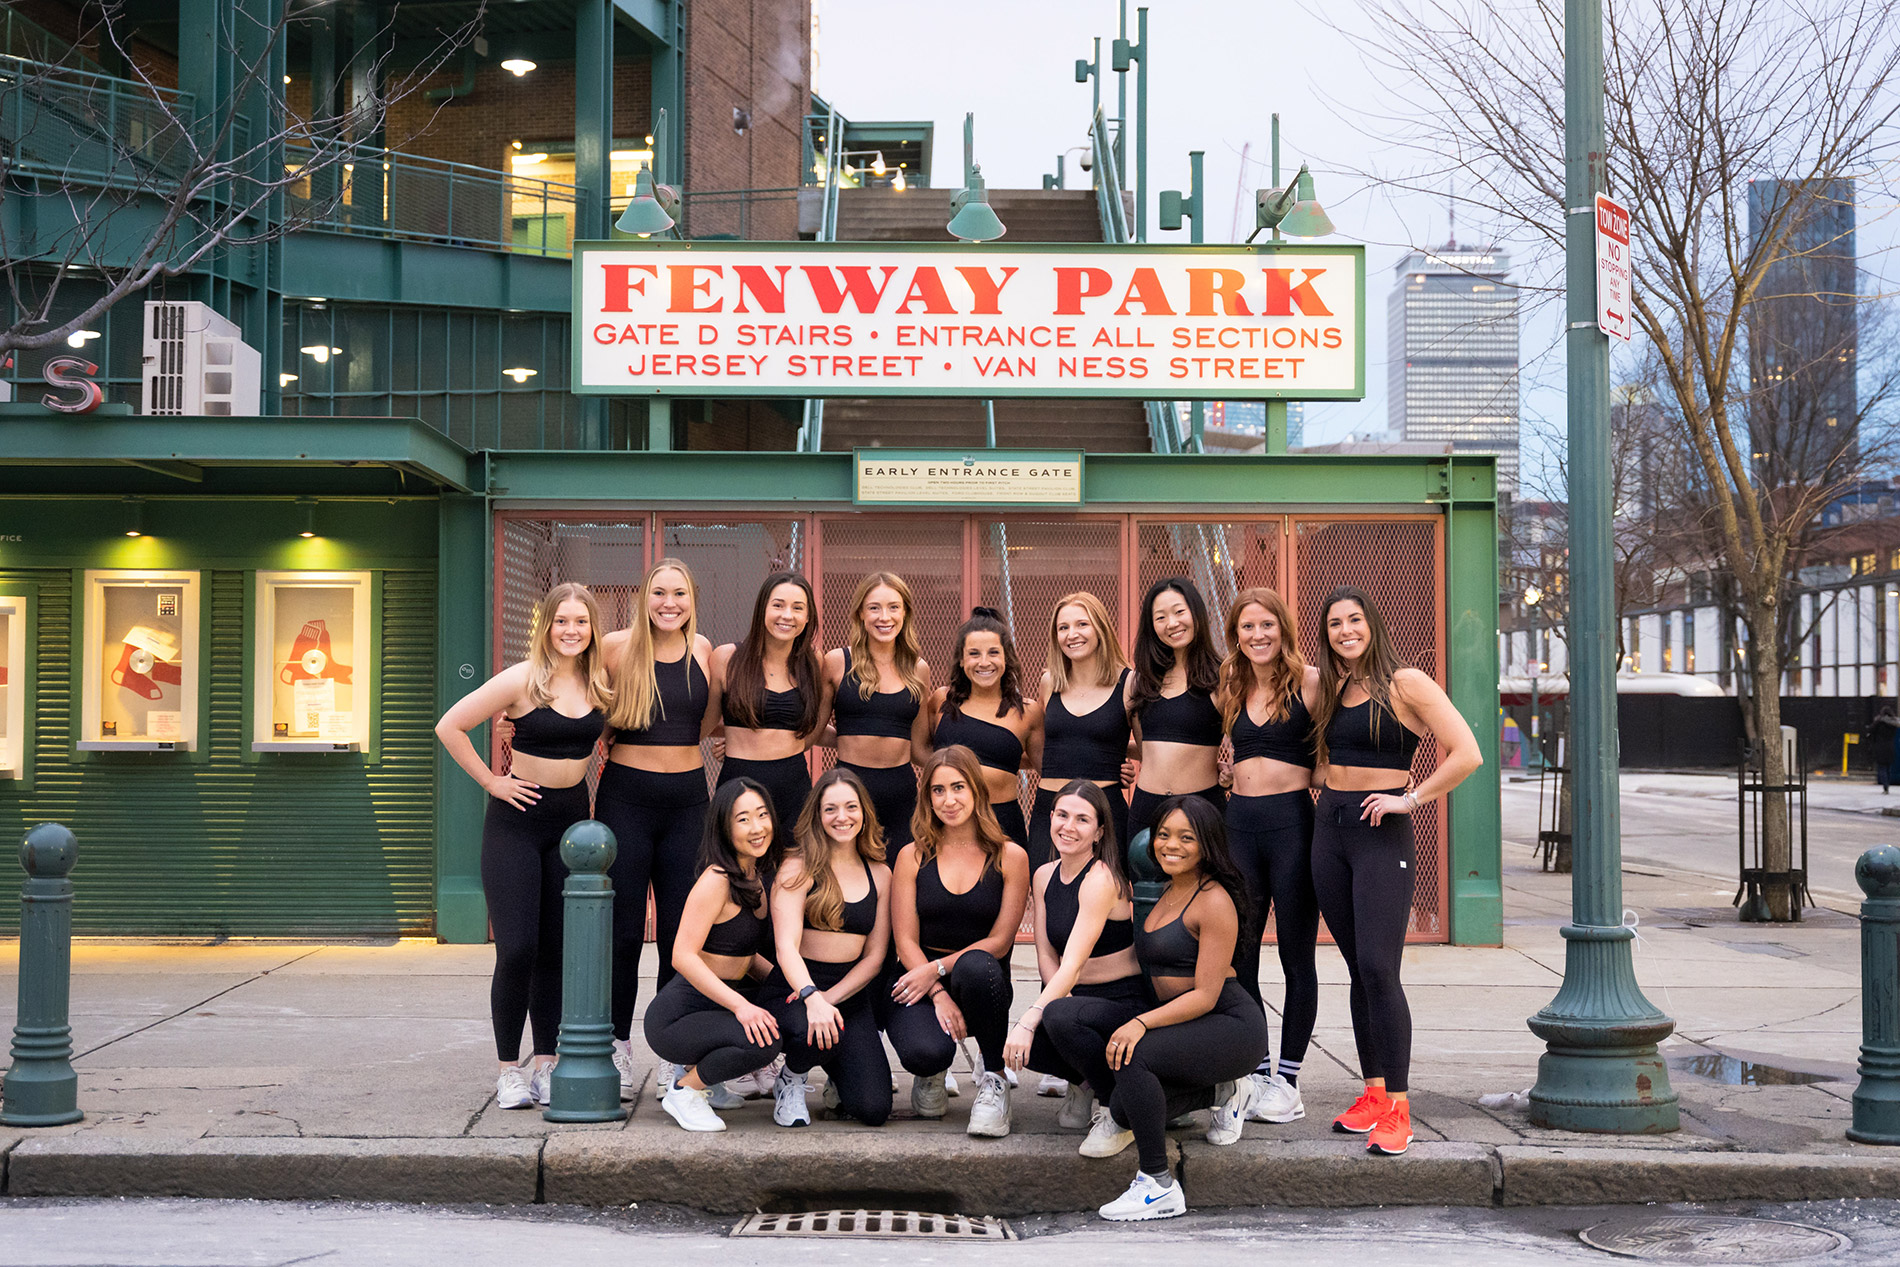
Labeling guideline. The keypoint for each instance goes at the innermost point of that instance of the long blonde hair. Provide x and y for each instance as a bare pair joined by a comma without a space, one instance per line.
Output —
926,829
1108,648
904,655
541,655
1284,676
824,898
637,692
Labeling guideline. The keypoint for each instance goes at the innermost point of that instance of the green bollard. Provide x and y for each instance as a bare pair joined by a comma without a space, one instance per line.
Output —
585,1086
41,1087
1145,876
1877,1099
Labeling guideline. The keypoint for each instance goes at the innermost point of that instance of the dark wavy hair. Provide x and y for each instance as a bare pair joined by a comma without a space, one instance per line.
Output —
1108,850
985,620
1377,665
1217,861
745,674
1153,657
717,850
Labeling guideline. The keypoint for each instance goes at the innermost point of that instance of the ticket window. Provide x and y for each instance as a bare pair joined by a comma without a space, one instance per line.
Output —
313,662
12,686
140,662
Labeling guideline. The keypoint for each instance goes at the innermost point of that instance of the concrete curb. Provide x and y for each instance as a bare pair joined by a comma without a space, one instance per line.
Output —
1611,1176
1327,1173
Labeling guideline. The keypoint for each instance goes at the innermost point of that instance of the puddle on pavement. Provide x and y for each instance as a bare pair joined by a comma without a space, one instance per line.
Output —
1731,1071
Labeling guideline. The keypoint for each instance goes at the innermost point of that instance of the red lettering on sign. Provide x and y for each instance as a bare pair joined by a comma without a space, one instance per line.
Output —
1205,285
1282,294
926,288
770,298
857,284
1073,285
987,289
686,285
1145,289
622,285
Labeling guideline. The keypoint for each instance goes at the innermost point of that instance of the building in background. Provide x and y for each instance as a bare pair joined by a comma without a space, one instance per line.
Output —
1452,344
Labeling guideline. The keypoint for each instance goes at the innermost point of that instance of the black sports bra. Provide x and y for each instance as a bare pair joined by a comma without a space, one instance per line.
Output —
1189,717
946,921
1290,740
995,746
679,710
548,732
746,933
1170,950
858,917
887,714
1350,739
1091,746
1061,903
782,710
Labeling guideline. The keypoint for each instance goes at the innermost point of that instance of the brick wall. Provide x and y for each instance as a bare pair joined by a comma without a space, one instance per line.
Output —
539,106
754,55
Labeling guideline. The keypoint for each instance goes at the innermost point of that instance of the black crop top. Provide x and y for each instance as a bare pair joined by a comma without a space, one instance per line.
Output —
1092,746
887,714
946,921
548,732
1350,739
1290,740
782,710
858,917
1170,950
1061,903
995,746
1189,717
679,710
746,933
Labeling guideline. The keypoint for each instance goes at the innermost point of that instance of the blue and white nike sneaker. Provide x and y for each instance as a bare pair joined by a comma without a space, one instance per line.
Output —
1146,1199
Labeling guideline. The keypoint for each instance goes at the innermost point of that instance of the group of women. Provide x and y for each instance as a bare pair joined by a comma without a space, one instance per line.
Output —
802,924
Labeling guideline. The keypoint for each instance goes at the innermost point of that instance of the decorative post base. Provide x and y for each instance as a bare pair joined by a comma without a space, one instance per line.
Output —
41,1087
585,1086
1602,1072
1877,1098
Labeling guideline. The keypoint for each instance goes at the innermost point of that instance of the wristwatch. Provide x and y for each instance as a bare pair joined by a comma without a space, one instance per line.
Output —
942,972
807,992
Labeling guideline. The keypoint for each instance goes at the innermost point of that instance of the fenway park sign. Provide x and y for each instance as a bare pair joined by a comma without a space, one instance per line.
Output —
950,319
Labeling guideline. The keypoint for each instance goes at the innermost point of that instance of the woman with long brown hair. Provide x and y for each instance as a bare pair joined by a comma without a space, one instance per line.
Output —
1267,696
983,709
957,898
878,683
1171,698
772,693
1373,710
1084,715
556,700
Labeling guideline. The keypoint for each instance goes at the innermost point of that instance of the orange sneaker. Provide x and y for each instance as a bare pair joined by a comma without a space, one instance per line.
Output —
1364,1113
1393,1133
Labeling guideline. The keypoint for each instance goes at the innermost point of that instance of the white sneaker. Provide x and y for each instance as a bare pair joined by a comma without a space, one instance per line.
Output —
788,1099
1052,1085
691,1110
1078,1103
1231,1102
1105,1138
1146,1199
950,1082
664,1077
989,1116
623,1063
832,1100
927,1096
721,1096
1275,1100
511,1090
758,1083
1009,1076
538,1085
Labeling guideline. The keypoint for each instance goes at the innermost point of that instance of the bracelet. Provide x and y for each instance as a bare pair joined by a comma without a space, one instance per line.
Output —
1137,1020
934,991
1412,800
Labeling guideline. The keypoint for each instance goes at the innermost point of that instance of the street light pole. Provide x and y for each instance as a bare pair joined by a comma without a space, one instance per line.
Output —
1276,409
1600,1071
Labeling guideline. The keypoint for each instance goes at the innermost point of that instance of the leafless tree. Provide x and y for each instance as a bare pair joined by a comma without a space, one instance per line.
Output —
123,182
1704,97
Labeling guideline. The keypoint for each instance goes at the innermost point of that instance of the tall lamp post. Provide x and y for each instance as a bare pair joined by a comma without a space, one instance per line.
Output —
1600,1070
1532,597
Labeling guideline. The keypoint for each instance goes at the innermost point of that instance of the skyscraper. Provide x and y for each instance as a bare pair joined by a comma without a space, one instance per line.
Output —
1451,337
1803,335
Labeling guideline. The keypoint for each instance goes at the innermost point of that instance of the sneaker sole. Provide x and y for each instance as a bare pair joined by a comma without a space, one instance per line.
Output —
1143,1216
1381,1150
697,1130
525,1104
1257,1116
1113,1152
987,1133
803,1121
1343,1129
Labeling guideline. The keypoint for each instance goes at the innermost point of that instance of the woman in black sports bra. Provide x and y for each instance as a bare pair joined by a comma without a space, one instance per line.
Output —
1196,1048
831,918
772,693
1085,936
957,896
983,709
708,1023
878,685
1084,715
1373,709
1171,698
556,699
1266,698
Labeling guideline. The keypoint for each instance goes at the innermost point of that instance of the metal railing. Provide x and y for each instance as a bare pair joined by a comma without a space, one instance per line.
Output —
83,128
733,213
24,38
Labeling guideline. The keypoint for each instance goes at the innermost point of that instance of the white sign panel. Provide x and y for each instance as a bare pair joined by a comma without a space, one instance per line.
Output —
1613,268
951,319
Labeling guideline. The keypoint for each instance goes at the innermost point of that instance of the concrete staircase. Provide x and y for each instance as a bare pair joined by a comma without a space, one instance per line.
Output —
919,215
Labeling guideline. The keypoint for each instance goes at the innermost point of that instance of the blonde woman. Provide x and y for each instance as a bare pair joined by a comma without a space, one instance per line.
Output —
556,700
1085,722
653,788
878,685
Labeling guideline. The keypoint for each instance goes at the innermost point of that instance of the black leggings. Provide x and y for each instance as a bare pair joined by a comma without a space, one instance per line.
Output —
893,790
1009,816
1116,1001
657,820
1271,839
788,779
1142,807
980,985
688,1029
1173,1069
522,875
1041,845
1364,876
856,1063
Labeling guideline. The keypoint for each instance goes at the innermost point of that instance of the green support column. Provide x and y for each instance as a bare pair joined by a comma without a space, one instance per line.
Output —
593,147
462,624
1276,426
1601,1071
659,424
667,67
1474,869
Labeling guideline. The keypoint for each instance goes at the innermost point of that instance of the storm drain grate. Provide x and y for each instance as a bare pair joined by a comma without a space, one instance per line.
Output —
908,1224
1700,1238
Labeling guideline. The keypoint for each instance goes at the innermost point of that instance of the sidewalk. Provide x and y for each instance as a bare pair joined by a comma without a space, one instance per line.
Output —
364,1072
1856,794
